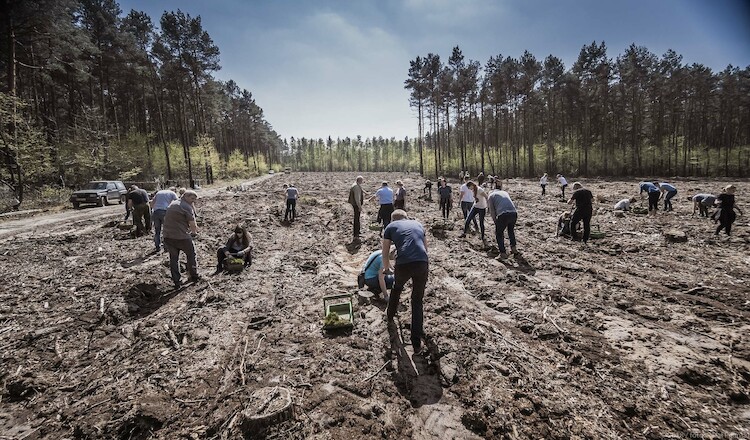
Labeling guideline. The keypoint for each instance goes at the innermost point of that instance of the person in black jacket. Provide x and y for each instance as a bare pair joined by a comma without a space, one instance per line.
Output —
237,246
583,199
725,200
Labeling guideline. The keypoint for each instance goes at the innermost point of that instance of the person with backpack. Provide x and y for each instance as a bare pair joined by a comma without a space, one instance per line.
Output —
372,275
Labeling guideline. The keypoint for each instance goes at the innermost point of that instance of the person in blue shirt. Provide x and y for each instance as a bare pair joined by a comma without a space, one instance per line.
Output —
668,192
385,198
503,213
376,279
653,195
702,202
159,205
412,264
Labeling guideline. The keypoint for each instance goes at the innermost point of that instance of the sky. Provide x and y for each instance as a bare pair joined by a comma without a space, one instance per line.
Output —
337,68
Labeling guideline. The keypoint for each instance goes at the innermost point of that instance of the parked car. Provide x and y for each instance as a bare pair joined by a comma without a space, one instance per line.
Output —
99,193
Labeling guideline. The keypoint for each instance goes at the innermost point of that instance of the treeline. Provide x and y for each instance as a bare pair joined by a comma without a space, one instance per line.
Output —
636,114
91,92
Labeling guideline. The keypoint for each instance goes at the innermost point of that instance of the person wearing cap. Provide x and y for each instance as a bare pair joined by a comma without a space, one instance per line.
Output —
412,263
138,202
357,199
385,198
400,196
667,192
653,195
583,199
292,194
237,246
179,229
159,204
725,201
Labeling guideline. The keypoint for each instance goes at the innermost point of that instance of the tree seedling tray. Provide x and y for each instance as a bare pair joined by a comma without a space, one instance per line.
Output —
374,226
338,311
234,264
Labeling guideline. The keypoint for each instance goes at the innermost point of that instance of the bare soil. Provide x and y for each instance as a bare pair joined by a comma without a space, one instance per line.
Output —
632,336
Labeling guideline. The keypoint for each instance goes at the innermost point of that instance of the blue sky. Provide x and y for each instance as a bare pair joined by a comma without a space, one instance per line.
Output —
337,67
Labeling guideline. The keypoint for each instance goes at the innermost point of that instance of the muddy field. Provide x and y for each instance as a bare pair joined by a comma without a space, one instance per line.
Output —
629,337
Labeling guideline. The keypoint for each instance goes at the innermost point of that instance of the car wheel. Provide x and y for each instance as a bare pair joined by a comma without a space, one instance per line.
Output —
100,202
106,200
76,205
122,199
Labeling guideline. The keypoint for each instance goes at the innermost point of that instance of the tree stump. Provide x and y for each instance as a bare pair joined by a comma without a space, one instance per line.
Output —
675,236
266,407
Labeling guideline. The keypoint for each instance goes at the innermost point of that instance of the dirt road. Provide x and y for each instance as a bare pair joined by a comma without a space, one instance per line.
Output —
632,336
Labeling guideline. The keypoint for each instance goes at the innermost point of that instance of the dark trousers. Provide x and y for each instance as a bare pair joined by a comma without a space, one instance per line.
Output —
141,218
544,189
703,208
357,215
465,208
725,220
668,200
653,200
563,190
174,247
445,207
221,257
400,204
579,215
507,220
385,213
473,214
291,208
416,272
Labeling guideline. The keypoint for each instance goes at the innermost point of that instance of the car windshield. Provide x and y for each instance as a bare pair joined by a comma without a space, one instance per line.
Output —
96,185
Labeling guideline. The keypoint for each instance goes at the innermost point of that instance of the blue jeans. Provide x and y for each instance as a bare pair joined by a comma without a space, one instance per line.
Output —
158,219
374,286
472,214
668,200
465,208
174,246
507,220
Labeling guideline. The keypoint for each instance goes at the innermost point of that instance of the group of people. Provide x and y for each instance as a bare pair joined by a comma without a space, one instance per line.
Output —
724,203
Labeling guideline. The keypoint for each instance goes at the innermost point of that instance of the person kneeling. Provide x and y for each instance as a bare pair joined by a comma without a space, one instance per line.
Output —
563,225
238,246
376,279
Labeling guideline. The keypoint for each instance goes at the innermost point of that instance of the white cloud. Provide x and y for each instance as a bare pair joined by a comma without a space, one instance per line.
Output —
333,77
